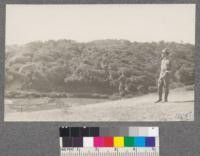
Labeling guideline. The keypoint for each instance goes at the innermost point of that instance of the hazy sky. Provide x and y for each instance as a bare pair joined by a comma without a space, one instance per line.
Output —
83,23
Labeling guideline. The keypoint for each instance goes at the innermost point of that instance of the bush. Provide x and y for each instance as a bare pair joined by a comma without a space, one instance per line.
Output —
186,75
152,89
190,87
176,85
142,89
115,97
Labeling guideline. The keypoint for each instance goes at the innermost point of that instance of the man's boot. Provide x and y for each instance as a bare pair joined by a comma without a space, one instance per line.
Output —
159,100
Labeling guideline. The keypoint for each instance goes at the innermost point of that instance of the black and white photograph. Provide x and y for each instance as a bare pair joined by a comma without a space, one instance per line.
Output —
99,62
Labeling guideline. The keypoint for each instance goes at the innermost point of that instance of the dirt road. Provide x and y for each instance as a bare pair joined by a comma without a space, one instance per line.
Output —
179,108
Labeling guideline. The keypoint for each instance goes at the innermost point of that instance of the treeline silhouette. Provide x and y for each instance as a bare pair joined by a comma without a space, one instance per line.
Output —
94,67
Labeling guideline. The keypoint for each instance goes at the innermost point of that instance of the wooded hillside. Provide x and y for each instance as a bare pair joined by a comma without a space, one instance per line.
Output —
94,67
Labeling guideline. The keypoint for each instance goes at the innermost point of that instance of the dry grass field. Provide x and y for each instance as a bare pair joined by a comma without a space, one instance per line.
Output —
179,108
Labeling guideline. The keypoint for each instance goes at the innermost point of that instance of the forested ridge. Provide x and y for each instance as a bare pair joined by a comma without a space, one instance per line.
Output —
71,67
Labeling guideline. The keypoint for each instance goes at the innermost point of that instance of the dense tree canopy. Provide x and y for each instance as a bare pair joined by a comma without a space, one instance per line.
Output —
69,66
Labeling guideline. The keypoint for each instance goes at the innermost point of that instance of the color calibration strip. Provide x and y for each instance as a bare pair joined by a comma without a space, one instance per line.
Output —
121,141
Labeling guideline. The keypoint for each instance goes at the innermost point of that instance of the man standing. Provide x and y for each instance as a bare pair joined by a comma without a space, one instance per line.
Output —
164,78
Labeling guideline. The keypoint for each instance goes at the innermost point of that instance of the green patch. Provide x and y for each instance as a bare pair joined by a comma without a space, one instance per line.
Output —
129,141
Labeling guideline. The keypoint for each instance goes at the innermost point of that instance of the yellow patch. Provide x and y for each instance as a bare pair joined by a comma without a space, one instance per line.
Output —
118,141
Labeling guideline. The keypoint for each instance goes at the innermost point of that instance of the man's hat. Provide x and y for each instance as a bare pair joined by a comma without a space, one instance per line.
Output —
166,51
